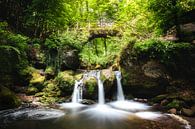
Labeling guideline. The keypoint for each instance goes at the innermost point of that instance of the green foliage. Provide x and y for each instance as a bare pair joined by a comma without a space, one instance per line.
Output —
58,46
72,39
91,86
175,104
32,91
164,51
95,53
13,56
166,13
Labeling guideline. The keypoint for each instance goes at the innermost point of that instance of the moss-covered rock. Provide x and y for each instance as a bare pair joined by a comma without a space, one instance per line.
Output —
109,80
65,81
49,72
37,79
140,85
90,88
31,90
178,104
50,94
147,67
8,99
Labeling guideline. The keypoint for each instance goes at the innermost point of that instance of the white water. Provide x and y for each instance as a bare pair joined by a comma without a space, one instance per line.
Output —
77,92
101,97
130,106
120,94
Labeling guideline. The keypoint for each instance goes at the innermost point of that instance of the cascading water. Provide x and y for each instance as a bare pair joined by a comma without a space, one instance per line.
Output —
120,94
101,98
117,115
121,103
77,92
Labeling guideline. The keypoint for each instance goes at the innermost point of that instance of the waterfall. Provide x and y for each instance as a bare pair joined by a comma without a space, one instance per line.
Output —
78,87
78,91
101,98
120,94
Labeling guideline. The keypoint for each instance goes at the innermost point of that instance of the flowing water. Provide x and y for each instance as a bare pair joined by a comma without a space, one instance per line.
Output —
101,97
77,92
122,114
120,94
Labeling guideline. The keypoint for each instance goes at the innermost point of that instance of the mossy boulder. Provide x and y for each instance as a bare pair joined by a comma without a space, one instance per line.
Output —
8,99
49,72
37,79
143,83
109,80
65,81
31,90
149,66
91,87
50,94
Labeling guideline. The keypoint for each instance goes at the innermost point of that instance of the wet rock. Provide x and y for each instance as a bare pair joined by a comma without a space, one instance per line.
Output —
172,111
88,102
154,70
157,107
193,108
164,102
188,112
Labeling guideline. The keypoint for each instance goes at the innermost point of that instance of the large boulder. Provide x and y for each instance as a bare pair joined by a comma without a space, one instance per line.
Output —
150,67
65,81
145,81
142,78
70,59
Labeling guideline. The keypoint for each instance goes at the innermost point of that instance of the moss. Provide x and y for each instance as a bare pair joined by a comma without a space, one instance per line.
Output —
91,85
175,104
37,78
8,99
50,70
78,76
65,80
50,94
159,98
31,90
